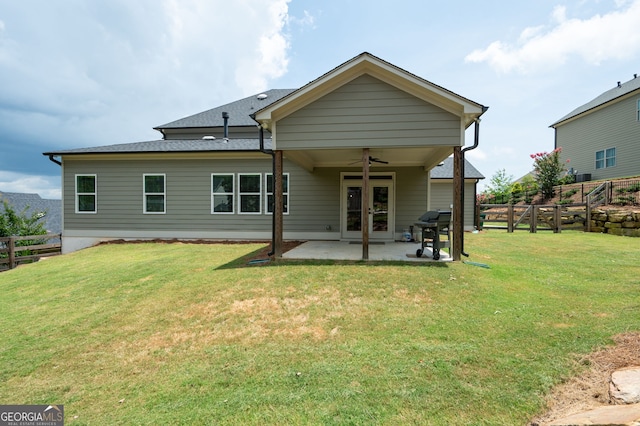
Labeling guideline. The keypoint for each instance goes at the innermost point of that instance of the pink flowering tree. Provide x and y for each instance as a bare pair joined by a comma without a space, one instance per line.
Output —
548,168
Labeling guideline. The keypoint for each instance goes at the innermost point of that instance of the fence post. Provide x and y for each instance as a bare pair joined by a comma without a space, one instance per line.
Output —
12,252
510,218
557,216
533,225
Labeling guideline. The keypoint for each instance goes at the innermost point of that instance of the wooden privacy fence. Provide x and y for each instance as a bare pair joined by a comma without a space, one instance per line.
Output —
17,250
533,218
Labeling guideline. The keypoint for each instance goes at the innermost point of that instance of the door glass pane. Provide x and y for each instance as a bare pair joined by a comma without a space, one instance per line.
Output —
354,208
380,208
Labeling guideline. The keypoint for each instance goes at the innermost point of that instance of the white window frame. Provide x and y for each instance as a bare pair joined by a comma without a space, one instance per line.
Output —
145,193
242,194
94,193
600,160
232,193
606,159
285,194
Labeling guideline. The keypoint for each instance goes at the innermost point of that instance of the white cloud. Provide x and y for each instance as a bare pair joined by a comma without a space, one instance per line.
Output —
45,186
124,67
269,49
613,35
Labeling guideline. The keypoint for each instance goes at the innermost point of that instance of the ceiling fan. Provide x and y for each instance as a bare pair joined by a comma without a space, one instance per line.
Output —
371,160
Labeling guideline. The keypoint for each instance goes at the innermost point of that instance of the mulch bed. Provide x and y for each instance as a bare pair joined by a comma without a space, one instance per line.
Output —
590,389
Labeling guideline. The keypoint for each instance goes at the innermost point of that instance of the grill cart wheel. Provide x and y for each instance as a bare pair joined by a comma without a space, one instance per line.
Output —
419,253
436,255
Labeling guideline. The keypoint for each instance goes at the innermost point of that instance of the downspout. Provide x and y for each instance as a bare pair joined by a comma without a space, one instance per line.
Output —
476,141
273,174
54,160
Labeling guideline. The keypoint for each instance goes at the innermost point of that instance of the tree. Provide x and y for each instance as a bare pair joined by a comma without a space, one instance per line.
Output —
499,186
20,224
547,167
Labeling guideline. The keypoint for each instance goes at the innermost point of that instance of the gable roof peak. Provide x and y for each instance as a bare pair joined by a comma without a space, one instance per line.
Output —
367,63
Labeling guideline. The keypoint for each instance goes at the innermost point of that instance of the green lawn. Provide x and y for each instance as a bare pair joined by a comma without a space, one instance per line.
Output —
189,334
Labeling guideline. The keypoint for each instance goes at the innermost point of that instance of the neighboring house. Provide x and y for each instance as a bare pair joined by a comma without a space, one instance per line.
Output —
212,174
602,137
33,203
441,194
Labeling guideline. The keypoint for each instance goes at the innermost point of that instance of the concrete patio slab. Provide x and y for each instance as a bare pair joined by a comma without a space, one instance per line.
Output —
344,250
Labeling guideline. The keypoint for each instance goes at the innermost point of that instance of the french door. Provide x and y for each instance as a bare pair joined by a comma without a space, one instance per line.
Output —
381,208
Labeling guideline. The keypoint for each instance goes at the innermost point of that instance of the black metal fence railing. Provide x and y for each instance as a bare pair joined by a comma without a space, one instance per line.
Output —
619,192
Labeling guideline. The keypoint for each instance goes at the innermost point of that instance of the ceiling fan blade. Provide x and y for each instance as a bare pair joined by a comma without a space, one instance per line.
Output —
371,160
377,160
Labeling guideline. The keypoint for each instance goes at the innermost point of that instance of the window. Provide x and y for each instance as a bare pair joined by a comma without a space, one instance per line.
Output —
606,158
249,193
638,111
86,194
154,193
222,193
270,196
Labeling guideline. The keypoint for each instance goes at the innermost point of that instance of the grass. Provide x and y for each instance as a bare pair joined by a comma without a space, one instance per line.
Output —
151,334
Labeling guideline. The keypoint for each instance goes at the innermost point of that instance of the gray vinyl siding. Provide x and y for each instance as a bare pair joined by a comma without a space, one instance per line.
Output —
442,198
615,126
368,113
411,196
188,195
314,198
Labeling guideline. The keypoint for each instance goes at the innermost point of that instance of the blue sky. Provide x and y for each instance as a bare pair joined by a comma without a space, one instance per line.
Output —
94,72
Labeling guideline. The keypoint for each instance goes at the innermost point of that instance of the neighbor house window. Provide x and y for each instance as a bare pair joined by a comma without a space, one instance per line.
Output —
638,110
606,158
270,194
155,200
249,193
86,194
222,193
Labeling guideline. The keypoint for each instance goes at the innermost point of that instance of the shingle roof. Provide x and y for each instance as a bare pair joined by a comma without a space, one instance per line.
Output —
445,171
34,203
239,112
608,96
171,145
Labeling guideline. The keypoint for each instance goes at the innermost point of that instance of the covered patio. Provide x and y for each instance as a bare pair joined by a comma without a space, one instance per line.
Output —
368,113
345,250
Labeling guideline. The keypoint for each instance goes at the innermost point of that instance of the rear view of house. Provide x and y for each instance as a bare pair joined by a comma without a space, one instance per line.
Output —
346,157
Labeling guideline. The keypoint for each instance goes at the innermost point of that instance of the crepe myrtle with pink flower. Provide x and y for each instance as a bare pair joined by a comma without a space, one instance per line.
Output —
548,169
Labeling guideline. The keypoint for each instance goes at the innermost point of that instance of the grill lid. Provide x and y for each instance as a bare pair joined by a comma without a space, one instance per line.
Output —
436,216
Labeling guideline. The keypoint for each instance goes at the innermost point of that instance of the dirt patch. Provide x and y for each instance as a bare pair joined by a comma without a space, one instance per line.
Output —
590,389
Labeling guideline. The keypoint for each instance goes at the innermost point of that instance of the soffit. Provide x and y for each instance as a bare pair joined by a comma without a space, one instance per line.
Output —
426,157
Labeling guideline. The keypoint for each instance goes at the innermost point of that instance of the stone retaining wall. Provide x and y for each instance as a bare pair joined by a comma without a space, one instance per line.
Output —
616,222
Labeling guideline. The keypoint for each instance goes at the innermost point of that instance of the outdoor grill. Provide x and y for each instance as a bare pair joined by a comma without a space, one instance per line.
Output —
433,223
